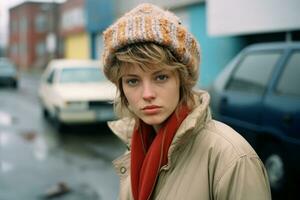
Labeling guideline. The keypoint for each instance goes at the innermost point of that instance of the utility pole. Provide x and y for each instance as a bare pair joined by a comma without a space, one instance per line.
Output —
51,40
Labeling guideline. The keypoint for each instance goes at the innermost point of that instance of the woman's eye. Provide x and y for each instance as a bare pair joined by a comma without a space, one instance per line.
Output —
132,82
162,77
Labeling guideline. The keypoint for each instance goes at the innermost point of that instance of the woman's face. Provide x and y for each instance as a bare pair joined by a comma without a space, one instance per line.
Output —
152,95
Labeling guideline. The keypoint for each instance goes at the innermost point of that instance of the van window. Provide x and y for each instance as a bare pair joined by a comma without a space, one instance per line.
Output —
289,81
253,72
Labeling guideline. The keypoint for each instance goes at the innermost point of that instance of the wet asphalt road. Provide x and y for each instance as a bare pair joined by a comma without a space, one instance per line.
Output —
35,159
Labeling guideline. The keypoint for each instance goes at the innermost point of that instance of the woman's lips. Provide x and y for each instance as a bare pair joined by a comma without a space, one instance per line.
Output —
151,110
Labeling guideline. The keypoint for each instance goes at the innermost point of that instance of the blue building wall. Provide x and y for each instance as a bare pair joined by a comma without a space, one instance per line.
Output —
216,52
99,15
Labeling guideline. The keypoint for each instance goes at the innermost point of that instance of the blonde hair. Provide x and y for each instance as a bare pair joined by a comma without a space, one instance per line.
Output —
149,56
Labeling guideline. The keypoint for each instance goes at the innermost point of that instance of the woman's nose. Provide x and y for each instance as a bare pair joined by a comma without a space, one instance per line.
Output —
148,91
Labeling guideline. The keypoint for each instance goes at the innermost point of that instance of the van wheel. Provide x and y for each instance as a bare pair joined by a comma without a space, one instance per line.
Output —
275,165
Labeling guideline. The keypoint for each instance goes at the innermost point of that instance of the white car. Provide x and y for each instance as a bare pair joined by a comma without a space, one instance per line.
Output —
76,91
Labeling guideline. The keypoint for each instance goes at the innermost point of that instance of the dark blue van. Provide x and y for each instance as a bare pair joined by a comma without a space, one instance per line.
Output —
258,94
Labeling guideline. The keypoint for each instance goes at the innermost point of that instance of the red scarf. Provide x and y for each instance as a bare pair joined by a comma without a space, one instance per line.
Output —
149,152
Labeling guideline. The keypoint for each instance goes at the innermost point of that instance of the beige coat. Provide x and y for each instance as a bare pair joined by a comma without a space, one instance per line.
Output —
206,160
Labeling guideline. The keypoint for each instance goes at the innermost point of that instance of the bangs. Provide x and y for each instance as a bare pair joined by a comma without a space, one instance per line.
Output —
145,54
148,57
146,67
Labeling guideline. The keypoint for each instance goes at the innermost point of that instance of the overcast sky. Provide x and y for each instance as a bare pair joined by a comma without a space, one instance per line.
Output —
4,7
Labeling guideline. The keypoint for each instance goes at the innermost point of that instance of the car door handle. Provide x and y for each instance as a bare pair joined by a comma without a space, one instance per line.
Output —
287,119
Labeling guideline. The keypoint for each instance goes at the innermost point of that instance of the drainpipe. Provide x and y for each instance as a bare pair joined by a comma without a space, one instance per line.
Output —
93,43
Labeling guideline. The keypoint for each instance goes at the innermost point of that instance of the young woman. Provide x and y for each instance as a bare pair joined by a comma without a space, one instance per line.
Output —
176,150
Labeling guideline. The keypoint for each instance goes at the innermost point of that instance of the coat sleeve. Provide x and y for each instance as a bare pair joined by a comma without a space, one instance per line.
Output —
245,178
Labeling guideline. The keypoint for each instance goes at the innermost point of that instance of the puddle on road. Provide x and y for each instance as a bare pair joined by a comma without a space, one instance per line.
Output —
72,158
5,119
28,142
4,139
40,147
5,166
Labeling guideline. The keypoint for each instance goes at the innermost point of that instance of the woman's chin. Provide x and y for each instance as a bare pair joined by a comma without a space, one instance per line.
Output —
153,121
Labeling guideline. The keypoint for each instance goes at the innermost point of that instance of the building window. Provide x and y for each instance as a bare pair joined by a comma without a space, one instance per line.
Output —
23,53
40,49
72,19
14,50
14,26
23,49
23,24
41,23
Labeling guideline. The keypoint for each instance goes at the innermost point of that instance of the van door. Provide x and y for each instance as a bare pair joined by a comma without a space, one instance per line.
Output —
282,111
241,103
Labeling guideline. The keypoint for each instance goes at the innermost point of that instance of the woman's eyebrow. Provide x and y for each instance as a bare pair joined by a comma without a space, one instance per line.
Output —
132,75
159,71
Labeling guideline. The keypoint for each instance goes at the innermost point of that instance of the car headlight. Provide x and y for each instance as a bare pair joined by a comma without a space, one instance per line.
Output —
77,105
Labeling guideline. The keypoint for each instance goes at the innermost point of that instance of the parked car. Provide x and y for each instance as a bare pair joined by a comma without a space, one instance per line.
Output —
76,92
8,73
258,94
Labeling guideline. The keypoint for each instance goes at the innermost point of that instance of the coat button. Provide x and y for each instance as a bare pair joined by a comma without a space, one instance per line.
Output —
123,170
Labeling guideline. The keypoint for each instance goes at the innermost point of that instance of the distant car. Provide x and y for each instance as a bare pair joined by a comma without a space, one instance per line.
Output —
8,73
76,92
258,94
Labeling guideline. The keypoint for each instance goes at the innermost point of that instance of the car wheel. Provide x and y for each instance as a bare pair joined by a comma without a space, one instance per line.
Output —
276,168
60,126
45,113
15,84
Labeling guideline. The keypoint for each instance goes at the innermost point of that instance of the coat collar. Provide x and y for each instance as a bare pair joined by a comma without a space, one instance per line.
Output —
197,119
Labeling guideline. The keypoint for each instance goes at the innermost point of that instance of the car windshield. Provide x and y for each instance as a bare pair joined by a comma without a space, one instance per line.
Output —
7,67
82,75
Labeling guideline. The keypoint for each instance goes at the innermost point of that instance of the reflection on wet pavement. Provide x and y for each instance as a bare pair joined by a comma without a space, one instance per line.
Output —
80,160
91,141
5,119
35,158
5,166
4,139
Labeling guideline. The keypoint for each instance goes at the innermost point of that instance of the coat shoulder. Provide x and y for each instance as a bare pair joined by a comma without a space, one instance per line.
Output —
123,129
225,138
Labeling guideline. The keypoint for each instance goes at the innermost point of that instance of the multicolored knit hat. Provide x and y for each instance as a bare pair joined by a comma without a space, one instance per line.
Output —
149,23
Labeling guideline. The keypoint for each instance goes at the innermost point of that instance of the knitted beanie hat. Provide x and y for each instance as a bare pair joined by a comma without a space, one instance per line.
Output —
149,23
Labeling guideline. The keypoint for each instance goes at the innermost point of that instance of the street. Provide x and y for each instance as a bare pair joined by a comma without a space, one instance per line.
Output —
37,162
